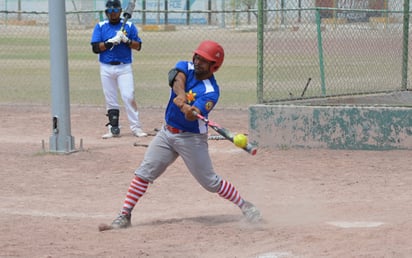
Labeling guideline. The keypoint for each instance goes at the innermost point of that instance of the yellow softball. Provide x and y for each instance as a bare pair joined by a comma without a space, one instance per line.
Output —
240,140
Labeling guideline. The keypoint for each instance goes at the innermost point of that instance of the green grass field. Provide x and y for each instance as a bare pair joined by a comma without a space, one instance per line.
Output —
26,78
290,58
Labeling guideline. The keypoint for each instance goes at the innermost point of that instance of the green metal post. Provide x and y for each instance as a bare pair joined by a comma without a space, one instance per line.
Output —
282,12
222,18
405,45
144,12
6,13
209,15
166,12
320,50
188,12
19,9
260,40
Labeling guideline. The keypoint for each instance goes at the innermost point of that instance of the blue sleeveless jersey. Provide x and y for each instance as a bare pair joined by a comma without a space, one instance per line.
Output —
201,94
120,53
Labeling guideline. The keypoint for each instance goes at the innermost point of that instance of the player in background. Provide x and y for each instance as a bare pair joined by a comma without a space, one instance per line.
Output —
193,88
115,56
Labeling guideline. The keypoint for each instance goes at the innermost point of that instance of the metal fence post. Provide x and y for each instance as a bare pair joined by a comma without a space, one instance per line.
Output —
260,40
320,50
405,46
188,12
144,12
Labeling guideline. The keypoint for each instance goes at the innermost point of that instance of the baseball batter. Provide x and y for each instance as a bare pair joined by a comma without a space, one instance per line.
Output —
193,88
114,48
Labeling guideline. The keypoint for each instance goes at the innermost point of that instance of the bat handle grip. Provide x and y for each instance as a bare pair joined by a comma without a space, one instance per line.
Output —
200,116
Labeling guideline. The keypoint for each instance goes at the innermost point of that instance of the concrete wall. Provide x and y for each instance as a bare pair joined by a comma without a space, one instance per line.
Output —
333,127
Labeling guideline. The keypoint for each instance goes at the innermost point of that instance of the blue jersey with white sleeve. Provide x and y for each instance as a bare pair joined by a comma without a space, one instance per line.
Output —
104,30
203,94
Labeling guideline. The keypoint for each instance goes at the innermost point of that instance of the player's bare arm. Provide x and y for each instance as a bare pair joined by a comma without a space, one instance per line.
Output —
135,45
178,85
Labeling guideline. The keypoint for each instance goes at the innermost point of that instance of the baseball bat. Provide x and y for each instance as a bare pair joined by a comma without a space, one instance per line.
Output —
127,13
225,133
306,87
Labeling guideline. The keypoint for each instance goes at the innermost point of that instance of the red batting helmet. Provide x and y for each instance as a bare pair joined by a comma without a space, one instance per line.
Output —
212,52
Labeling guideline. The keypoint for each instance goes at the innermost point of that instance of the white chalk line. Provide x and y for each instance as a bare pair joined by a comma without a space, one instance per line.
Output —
274,255
340,224
37,213
356,224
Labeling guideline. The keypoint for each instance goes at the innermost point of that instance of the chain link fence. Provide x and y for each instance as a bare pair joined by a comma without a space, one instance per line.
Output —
333,56
343,49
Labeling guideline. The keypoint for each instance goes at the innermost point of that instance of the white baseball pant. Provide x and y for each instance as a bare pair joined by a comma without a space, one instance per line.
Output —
116,78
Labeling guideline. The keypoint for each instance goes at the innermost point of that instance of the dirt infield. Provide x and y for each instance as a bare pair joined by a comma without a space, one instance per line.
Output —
315,203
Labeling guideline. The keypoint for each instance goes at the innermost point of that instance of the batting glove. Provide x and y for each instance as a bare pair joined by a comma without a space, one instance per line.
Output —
115,41
120,34
125,39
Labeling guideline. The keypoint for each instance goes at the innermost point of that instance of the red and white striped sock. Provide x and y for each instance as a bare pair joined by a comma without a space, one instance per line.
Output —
136,190
229,192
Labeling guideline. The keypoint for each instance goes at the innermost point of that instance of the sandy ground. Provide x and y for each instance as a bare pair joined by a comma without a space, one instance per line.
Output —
315,203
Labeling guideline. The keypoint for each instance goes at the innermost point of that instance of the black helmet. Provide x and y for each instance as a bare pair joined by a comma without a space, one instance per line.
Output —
113,4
